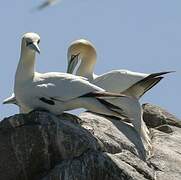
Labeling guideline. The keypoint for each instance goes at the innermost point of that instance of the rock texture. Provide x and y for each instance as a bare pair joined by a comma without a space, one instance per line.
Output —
41,146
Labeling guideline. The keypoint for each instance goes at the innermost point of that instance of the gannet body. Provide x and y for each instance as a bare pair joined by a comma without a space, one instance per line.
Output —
81,61
118,81
59,92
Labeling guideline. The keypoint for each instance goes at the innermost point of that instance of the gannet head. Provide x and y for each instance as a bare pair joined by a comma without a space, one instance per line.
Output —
31,41
81,50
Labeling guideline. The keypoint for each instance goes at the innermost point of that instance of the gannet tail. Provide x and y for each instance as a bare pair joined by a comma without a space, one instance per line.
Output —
141,87
106,103
131,108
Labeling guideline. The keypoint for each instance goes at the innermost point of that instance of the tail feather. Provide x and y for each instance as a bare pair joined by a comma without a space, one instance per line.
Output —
109,102
130,107
117,111
133,110
118,105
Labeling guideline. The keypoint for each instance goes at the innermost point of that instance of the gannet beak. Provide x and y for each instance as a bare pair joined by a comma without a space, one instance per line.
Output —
10,100
73,63
35,47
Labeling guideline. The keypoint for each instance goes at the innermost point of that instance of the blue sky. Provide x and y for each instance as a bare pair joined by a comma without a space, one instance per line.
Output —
139,35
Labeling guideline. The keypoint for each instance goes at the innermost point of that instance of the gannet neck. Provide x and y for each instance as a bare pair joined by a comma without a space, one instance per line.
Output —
26,65
86,68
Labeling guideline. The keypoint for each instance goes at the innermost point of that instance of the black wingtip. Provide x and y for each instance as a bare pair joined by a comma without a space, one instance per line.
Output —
153,75
151,83
146,84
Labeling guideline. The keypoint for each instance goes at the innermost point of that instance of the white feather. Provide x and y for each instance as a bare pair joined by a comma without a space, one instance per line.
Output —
58,92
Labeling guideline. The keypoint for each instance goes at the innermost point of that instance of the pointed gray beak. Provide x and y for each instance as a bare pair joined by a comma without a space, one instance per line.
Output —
73,63
10,100
35,47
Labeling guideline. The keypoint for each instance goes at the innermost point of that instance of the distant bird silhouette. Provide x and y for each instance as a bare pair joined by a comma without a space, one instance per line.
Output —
47,3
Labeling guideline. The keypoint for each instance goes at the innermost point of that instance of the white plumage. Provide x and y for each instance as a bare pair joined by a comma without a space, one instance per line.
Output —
117,81
81,61
58,92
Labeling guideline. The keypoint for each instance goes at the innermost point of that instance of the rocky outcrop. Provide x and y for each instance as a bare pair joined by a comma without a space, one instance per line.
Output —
41,146
156,117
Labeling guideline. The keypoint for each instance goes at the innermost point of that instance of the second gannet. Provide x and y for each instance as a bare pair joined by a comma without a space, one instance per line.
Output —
118,81
59,92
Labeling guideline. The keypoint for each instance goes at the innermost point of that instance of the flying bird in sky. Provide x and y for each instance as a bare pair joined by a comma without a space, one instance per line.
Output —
47,3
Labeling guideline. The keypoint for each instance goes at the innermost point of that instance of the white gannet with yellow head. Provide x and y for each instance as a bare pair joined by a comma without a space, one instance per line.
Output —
118,81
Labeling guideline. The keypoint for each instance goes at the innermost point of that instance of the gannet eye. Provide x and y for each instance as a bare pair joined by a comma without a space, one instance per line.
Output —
74,56
38,41
28,43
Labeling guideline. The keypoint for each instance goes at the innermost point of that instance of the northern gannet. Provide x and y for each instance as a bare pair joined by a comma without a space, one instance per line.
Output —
118,81
47,3
56,91
59,92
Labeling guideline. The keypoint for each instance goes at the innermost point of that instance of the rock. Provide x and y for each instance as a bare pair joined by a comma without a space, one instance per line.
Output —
101,166
164,128
166,157
114,134
30,145
41,146
155,116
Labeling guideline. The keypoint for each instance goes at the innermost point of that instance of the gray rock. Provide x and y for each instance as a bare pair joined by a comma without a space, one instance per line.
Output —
41,146
164,128
166,158
30,145
101,166
114,134
155,116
